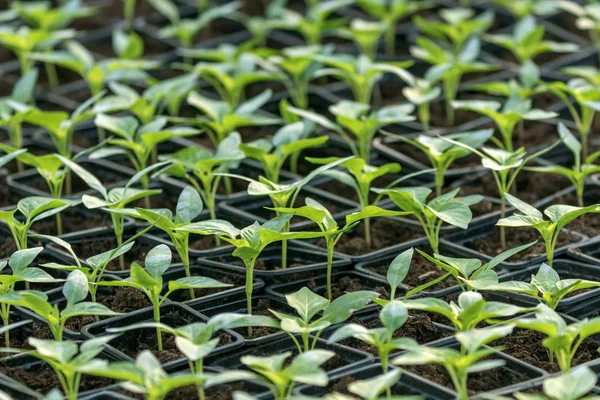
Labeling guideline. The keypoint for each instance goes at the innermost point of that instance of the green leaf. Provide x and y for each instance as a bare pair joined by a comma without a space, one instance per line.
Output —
399,268
158,260
76,287
306,303
196,282
189,205
344,306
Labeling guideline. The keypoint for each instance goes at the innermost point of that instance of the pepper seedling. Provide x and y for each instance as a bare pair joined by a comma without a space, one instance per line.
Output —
127,45
527,41
332,232
32,209
527,84
304,368
546,286
578,173
114,199
558,217
137,143
23,41
96,73
20,271
392,316
505,167
507,115
562,340
286,143
66,358
582,99
588,18
14,107
525,8
146,376
460,363
221,119
470,310
573,385
357,119
249,242
149,279
432,214
448,67
360,73
186,29
468,270
308,304
421,92
75,290
195,341
315,23
442,153
390,13
365,34
200,166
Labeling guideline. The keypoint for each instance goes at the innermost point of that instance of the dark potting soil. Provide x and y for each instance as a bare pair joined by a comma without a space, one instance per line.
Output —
385,232
477,382
42,378
490,244
135,341
418,327
7,246
72,221
7,198
526,345
348,284
261,308
421,271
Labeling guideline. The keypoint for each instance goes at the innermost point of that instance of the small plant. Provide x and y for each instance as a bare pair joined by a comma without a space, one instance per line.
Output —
460,363
588,18
146,376
392,316
20,271
507,115
60,125
546,286
573,385
526,86
286,143
357,119
200,166
455,27
471,309
421,92
42,15
230,70
360,73
23,41
582,99
332,232
96,73
431,215
525,8
390,14
578,173
186,29
189,206
127,45
299,67
249,242
562,340
304,368
527,41
75,290
66,358
449,68
14,107
469,272
559,216
221,119
308,304
316,23
114,199
149,279
442,153
137,143
195,341
30,210
366,35
505,167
